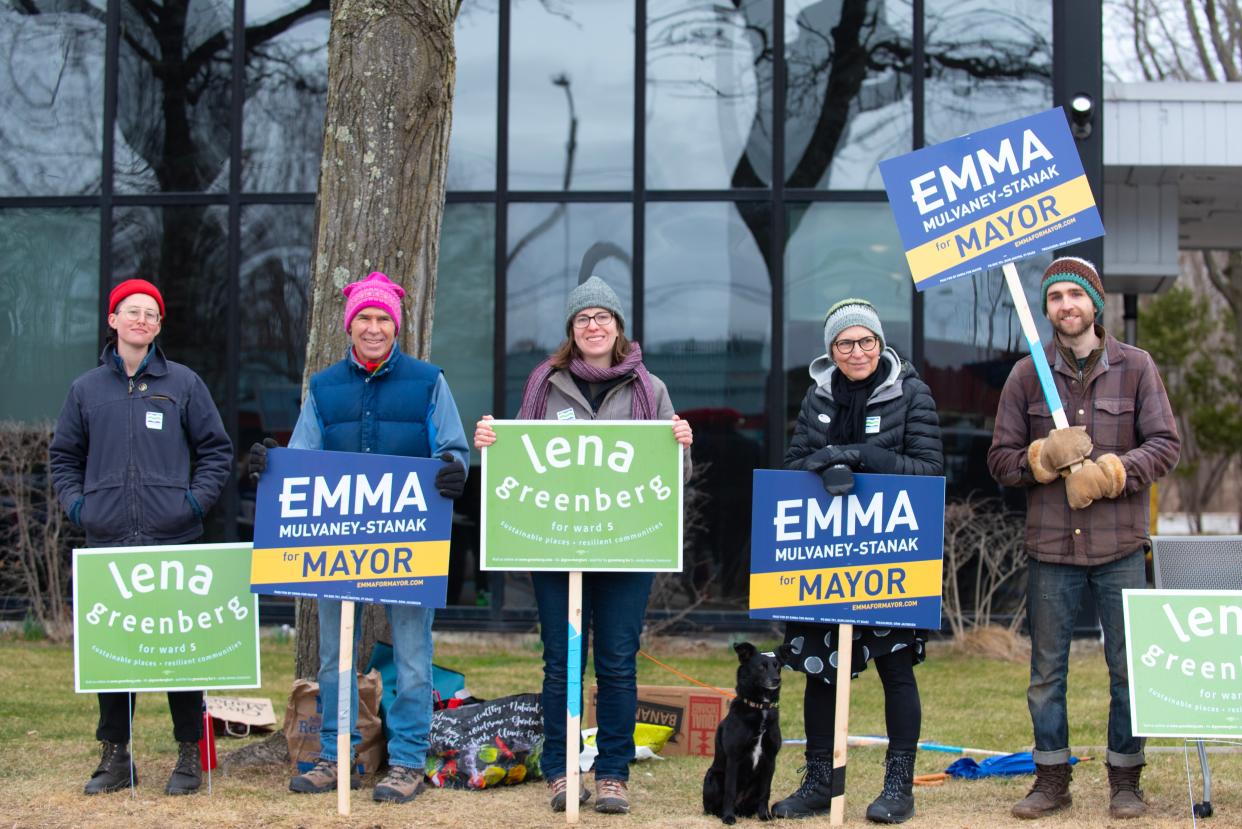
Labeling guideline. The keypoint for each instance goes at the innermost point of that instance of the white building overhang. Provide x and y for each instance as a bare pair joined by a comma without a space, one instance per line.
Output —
1172,177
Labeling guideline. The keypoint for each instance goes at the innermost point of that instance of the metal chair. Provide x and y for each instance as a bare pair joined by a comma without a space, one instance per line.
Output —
1198,562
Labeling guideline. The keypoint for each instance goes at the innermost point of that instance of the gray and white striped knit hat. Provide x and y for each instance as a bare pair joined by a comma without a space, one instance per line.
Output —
847,312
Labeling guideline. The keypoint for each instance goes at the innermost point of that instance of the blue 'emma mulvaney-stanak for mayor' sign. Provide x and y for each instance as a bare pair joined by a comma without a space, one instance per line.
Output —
346,525
872,557
990,197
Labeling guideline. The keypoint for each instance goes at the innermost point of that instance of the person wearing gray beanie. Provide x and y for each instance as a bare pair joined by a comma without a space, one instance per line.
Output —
593,293
850,312
595,374
867,411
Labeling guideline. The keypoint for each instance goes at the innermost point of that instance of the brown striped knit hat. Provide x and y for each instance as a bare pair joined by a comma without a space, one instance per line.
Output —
1078,271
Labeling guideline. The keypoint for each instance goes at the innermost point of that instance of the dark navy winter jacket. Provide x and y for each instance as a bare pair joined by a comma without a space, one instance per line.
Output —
139,460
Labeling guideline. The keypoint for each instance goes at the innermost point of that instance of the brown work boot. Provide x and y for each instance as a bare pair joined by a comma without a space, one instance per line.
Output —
611,797
321,778
556,792
401,785
1125,798
1049,794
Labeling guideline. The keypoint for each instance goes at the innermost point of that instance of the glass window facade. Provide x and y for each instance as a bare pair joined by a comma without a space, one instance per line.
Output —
716,163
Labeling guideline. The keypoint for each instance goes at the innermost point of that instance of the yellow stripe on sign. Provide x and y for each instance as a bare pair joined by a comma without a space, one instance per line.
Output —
994,230
288,565
837,585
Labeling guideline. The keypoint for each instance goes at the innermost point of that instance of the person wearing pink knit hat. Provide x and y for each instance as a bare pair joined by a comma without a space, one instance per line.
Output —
379,400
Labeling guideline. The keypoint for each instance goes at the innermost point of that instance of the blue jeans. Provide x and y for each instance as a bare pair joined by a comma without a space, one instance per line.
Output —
1054,593
409,717
613,606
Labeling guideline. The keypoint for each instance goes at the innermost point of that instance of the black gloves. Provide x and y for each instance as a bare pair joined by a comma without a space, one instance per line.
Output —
258,457
451,479
838,479
843,461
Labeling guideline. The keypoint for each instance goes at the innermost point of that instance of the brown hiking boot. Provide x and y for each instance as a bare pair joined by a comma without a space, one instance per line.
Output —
1049,794
401,785
611,797
1125,797
556,791
321,778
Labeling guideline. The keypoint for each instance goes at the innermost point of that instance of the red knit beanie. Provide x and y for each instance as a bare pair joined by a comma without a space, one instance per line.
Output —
134,286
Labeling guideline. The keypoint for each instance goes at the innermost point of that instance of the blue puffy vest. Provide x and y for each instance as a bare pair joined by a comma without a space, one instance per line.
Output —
383,413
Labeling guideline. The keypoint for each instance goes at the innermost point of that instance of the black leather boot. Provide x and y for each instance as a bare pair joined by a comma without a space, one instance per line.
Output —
896,801
187,775
814,796
113,772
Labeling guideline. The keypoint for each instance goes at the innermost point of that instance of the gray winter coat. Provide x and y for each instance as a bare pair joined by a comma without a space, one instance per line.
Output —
908,434
139,460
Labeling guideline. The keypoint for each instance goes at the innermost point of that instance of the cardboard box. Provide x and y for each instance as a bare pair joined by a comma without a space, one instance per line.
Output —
692,713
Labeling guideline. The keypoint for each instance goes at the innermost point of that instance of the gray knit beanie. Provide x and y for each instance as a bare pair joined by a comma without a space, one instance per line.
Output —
849,312
594,293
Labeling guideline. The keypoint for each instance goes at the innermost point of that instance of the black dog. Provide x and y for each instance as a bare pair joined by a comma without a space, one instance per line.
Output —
739,782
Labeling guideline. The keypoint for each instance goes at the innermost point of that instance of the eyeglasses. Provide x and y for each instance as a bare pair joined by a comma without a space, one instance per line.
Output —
601,318
133,314
846,347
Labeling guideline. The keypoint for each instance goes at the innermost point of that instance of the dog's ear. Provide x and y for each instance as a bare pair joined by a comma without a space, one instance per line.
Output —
745,651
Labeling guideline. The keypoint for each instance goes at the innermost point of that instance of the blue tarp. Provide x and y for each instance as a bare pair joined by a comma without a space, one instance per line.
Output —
1008,765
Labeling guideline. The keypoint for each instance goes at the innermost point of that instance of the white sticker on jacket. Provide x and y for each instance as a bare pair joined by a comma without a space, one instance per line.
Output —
823,418
566,414
872,425
155,420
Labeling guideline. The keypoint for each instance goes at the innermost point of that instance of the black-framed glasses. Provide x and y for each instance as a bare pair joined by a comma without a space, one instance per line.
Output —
846,347
601,319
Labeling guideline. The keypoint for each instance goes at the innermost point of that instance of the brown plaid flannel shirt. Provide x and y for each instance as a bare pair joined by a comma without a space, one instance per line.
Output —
1123,404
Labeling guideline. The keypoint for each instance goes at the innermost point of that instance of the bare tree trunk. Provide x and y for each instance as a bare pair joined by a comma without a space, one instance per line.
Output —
392,65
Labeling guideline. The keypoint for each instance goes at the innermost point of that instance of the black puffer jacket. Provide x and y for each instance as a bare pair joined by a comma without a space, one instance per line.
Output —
908,432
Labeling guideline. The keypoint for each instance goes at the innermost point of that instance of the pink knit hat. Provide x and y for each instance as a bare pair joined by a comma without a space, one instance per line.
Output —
376,291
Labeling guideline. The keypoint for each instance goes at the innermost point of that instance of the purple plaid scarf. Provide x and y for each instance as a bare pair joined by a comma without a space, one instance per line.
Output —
535,397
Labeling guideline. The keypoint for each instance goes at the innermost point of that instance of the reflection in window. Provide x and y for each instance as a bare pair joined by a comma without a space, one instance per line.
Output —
836,251
461,344
703,124
286,91
51,98
708,337
972,339
988,62
273,283
183,251
571,95
49,289
173,93
552,248
848,90
472,145
465,319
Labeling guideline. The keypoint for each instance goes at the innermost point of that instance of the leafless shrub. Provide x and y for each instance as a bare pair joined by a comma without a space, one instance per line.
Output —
36,538
685,591
984,563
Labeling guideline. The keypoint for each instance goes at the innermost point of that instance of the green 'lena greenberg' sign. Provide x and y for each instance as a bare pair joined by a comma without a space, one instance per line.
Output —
582,495
1184,649
166,618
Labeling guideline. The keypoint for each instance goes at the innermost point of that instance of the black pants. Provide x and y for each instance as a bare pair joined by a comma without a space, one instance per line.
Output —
903,712
186,708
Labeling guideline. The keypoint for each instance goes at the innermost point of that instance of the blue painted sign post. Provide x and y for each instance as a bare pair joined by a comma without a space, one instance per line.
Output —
351,527
990,198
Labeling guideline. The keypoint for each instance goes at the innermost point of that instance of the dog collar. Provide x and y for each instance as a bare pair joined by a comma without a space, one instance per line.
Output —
762,705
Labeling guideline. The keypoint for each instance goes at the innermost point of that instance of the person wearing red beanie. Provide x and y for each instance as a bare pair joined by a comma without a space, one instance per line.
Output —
138,456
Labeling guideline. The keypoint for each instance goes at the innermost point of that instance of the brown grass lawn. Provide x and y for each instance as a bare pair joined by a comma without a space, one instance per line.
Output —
47,751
